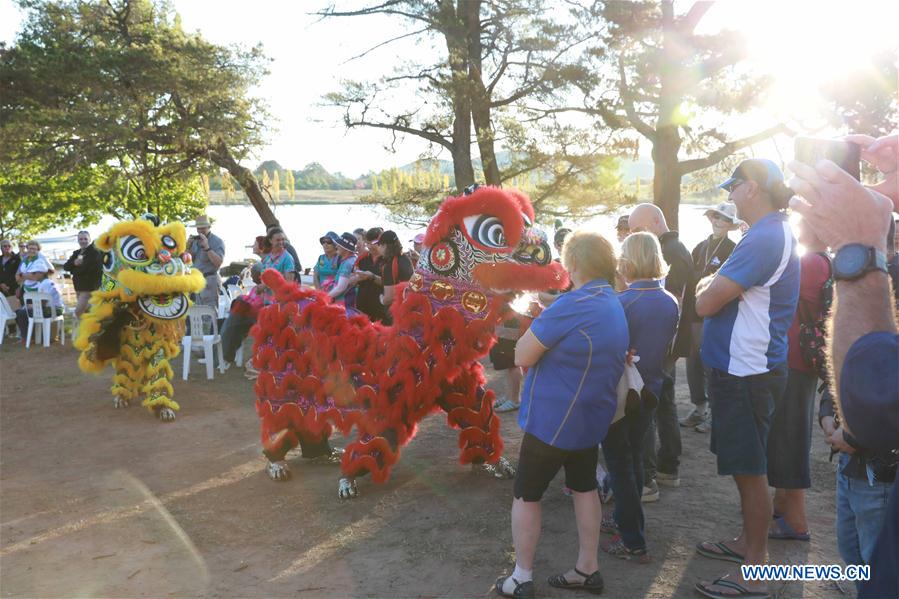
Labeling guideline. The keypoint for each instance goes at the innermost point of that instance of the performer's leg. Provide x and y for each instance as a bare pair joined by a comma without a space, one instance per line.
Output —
469,407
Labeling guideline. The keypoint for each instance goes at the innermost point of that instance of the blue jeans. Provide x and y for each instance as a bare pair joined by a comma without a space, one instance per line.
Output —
623,450
667,459
861,510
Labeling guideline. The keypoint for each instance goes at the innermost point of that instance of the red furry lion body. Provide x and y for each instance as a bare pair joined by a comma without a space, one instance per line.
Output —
322,368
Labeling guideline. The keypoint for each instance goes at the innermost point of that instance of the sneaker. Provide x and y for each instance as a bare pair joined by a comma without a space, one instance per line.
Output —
650,492
696,416
226,365
506,405
615,546
201,361
703,427
667,480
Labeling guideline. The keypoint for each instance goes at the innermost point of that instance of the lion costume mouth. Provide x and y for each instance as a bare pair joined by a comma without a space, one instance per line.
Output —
164,307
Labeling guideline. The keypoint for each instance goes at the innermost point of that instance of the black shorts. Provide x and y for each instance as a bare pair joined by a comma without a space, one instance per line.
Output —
502,354
538,464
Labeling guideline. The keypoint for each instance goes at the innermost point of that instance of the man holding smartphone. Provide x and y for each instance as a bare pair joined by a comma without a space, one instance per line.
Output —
854,220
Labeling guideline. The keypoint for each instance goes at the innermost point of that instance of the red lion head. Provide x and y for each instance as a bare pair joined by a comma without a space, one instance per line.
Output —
487,237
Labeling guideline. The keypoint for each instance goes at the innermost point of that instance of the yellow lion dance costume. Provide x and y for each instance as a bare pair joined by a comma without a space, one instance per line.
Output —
136,319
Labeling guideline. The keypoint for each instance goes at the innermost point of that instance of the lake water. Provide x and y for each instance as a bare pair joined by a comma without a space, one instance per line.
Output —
304,224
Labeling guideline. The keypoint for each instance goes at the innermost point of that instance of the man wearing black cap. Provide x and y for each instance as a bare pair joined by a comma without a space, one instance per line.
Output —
346,249
748,306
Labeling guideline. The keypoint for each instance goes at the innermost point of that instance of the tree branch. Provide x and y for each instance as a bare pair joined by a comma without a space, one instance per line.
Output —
384,43
689,166
628,103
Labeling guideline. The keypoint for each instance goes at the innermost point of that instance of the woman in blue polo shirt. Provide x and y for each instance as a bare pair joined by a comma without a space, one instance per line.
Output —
575,351
652,316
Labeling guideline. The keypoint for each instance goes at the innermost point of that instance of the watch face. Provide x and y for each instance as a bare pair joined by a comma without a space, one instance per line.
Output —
850,260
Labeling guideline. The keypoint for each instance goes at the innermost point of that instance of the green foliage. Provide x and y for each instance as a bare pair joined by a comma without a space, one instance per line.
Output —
119,89
31,203
868,100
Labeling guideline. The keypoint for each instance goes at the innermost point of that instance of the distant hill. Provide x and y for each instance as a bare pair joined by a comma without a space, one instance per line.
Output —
315,176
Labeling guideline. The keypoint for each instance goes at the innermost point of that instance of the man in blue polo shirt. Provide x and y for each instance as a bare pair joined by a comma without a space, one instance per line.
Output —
748,306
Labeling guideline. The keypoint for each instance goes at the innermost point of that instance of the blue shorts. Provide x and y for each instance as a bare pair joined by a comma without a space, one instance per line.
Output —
742,407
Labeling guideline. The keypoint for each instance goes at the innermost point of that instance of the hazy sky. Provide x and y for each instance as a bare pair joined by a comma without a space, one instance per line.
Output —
799,42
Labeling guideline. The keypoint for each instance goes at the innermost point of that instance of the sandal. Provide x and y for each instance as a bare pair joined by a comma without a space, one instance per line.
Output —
724,583
785,532
718,551
523,590
592,583
616,547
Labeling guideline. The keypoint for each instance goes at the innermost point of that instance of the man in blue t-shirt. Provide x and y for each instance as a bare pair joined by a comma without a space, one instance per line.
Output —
748,306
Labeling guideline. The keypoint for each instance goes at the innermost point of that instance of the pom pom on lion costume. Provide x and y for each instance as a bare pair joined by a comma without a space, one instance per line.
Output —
136,318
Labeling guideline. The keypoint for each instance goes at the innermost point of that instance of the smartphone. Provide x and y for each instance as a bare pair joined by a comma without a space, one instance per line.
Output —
845,155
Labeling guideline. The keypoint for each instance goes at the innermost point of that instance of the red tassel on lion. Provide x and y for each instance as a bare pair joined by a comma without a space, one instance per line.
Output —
324,369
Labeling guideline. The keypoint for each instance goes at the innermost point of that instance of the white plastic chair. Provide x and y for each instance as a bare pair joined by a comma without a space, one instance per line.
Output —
196,314
37,317
233,292
7,314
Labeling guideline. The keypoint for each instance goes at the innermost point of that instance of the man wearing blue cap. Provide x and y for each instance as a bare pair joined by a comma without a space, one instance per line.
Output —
748,306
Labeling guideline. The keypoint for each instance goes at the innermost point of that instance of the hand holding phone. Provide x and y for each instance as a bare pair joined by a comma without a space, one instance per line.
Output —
846,155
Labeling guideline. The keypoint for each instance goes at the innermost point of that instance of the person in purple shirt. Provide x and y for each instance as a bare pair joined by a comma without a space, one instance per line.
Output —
575,352
652,317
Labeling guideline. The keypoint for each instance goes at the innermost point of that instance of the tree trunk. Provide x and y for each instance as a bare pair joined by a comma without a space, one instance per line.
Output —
221,156
666,177
470,12
667,142
457,48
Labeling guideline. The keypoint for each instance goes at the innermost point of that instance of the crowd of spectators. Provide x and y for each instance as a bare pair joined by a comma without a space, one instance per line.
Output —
748,316
751,319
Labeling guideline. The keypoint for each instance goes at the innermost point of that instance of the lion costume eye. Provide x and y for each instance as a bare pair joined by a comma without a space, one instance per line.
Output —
486,230
132,249
169,242
108,261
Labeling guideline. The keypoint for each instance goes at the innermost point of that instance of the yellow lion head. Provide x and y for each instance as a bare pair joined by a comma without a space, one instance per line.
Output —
146,274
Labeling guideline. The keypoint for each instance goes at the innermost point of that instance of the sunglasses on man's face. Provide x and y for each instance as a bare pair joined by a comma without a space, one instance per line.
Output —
730,187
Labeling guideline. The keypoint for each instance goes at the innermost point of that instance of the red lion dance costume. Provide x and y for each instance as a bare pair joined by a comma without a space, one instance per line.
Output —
322,367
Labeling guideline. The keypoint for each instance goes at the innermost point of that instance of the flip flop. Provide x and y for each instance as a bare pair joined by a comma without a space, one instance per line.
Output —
785,532
522,590
741,591
592,583
719,551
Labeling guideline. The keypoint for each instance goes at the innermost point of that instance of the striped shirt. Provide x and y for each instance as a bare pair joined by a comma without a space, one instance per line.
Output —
748,336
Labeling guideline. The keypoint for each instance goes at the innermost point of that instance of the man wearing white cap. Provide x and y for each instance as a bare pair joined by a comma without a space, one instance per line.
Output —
708,257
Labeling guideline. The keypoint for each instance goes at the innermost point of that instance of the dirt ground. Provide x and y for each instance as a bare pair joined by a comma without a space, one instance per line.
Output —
100,502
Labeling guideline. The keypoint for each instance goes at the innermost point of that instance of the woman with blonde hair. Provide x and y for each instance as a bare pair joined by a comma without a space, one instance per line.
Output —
652,316
575,353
